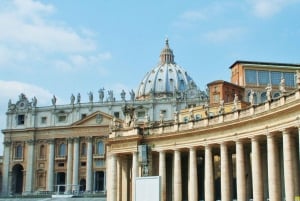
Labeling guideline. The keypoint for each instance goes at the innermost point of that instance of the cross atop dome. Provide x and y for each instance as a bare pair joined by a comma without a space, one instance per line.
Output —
166,55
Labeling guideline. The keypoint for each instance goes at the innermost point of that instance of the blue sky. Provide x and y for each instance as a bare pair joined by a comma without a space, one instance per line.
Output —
64,46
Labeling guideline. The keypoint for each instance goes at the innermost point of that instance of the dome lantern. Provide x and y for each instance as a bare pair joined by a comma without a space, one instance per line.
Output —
166,55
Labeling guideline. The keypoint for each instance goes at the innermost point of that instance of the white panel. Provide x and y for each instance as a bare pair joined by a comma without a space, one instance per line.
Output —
147,188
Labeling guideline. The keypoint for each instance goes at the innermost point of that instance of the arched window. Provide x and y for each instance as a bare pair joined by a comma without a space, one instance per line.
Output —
263,97
276,95
100,148
83,149
62,149
42,151
19,152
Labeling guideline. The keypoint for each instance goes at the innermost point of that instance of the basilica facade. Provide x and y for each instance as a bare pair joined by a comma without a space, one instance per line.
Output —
237,140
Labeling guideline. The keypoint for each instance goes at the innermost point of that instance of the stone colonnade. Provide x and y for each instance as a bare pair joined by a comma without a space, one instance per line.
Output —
258,168
73,164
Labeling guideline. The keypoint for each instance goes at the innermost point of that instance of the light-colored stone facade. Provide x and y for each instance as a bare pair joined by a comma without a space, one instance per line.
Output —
64,146
201,151
251,153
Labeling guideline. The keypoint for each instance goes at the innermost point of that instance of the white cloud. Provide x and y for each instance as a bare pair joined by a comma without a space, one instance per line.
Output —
12,90
28,36
78,61
268,8
190,18
193,15
222,35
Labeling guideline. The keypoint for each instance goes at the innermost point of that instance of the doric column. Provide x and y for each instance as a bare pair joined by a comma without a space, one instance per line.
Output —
135,173
225,182
162,174
288,166
89,165
76,164
273,169
240,171
113,177
209,175
119,178
193,176
69,165
50,172
177,176
6,162
257,176
295,166
124,178
29,167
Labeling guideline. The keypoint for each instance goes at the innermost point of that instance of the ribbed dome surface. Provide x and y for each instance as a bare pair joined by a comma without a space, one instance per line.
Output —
166,79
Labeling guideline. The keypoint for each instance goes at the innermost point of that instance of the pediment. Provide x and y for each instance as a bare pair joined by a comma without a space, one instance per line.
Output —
95,119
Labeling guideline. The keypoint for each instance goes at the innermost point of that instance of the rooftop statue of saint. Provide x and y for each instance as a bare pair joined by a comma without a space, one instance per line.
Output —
269,90
72,99
132,95
110,95
34,101
78,98
53,100
251,97
282,86
123,95
235,102
91,97
101,94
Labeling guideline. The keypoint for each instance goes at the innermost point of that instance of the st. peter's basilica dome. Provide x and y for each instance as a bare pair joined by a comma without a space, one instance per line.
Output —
165,80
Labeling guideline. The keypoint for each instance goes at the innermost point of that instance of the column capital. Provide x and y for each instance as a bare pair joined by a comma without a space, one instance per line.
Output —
208,147
239,141
76,139
162,151
224,143
285,131
30,141
193,148
70,140
7,143
255,138
89,139
50,141
270,135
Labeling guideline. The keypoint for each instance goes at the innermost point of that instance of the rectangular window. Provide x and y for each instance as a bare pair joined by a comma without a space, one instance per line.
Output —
185,119
61,164
21,119
289,79
62,118
141,114
117,114
250,76
83,116
275,77
198,117
44,120
263,77
83,164
216,98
